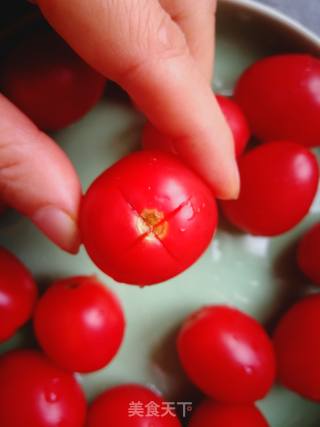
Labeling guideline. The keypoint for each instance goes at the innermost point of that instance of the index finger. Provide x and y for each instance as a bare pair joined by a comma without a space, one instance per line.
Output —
137,44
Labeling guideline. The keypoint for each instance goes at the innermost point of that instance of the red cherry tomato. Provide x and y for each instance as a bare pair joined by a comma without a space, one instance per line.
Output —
35,393
18,294
211,414
280,96
279,181
131,406
297,346
309,254
152,139
79,324
147,218
227,354
49,82
237,122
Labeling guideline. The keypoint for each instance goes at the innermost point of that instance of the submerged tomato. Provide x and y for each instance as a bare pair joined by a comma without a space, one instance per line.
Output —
280,96
309,254
227,354
49,82
131,405
297,347
279,181
237,122
211,414
152,139
35,393
18,293
147,218
79,323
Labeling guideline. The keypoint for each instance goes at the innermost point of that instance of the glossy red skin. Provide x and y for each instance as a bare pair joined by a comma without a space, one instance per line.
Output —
280,97
297,347
237,122
211,414
35,393
279,181
112,208
152,139
49,82
227,354
18,294
80,324
308,254
111,408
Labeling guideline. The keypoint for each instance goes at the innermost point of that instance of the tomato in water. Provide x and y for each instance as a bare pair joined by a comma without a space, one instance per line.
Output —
152,139
227,354
18,294
280,96
130,405
49,82
297,347
212,414
147,218
35,393
279,181
309,254
79,323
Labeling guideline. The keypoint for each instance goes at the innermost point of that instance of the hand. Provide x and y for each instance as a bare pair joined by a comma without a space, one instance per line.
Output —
161,53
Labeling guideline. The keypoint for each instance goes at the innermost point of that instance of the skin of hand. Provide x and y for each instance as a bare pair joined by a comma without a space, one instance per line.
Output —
161,53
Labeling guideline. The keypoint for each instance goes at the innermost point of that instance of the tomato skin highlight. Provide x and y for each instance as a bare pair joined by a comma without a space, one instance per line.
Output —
18,294
112,407
280,96
147,218
227,354
34,392
237,122
80,324
212,414
279,181
297,347
152,139
308,254
49,82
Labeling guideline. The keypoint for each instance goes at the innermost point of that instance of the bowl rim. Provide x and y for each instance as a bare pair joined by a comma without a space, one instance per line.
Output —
276,15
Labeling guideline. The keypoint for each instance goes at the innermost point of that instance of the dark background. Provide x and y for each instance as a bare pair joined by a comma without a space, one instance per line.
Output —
305,11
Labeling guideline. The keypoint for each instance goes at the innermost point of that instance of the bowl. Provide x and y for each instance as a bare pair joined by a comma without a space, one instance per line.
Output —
256,274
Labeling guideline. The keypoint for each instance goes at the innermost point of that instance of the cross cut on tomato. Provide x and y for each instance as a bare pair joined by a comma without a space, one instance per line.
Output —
147,218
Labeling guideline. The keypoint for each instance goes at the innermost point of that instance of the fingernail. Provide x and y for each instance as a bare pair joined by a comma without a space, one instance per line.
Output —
232,191
59,227
236,181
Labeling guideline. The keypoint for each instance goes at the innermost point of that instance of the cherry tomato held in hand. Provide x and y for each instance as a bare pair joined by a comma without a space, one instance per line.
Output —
309,254
35,393
237,122
297,346
49,82
279,181
80,324
227,354
131,406
280,96
211,414
152,139
18,294
147,218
